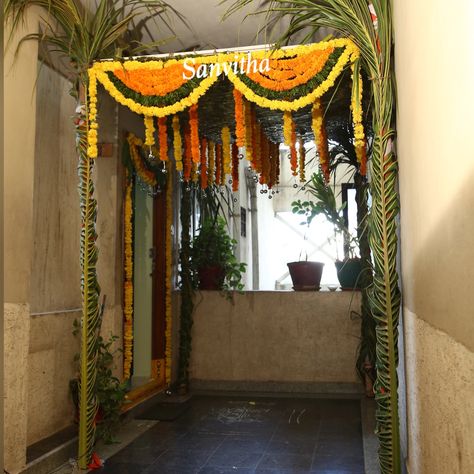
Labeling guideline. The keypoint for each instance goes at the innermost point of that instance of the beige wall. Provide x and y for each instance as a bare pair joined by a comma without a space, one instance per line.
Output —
286,337
435,77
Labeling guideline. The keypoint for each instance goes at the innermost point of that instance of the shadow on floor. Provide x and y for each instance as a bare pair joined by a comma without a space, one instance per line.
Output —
245,435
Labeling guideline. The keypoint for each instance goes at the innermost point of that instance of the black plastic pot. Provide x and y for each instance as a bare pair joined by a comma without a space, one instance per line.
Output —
306,276
348,273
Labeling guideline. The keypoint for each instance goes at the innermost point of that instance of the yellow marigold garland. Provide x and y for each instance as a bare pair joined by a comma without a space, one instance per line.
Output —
168,282
226,162
211,151
177,144
203,163
128,279
287,127
320,138
249,151
356,108
149,131
92,126
163,138
302,161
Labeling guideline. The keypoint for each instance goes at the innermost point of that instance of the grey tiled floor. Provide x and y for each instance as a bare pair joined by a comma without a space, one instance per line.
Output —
243,435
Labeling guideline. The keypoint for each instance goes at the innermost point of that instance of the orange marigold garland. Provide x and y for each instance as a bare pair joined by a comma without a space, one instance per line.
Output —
163,137
149,131
218,163
249,151
187,155
194,172
320,138
302,161
203,163
226,162
177,144
194,126
239,118
287,128
235,167
211,151
147,176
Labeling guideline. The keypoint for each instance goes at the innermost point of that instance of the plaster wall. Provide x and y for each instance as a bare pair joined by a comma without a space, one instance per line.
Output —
435,73
275,337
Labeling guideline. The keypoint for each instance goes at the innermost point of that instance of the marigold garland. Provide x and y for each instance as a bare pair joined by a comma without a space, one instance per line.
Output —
356,109
274,161
92,126
226,161
293,153
187,155
203,163
169,275
146,175
128,279
163,137
149,131
239,118
256,143
177,143
194,129
211,151
218,163
302,161
249,150
194,172
287,128
235,167
320,137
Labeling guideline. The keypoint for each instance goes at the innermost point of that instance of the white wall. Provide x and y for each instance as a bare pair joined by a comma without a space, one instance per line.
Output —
435,77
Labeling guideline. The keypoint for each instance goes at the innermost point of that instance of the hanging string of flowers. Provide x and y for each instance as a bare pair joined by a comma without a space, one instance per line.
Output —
169,275
257,143
128,278
226,161
203,163
249,150
163,137
141,168
239,118
235,167
211,151
187,155
218,163
293,153
302,161
265,160
356,109
287,128
320,137
92,132
149,131
194,172
194,127
274,161
177,144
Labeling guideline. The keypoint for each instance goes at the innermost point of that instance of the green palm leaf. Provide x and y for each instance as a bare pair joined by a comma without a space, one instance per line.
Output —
352,18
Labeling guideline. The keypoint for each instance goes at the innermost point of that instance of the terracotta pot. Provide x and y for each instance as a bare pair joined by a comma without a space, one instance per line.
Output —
348,273
211,278
306,276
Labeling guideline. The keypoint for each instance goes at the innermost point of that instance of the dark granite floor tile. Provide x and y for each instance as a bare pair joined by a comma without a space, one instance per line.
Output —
143,456
231,457
285,461
111,467
340,463
225,470
289,444
252,444
182,461
338,447
195,441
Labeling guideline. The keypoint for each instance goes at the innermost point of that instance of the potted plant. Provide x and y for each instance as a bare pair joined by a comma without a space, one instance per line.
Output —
348,269
212,258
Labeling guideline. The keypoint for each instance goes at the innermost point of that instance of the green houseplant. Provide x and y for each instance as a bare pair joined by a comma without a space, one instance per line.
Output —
348,269
212,258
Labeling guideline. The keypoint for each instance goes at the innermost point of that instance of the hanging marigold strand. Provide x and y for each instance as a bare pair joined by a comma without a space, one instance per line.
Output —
177,144
226,163
274,160
302,161
211,151
287,127
265,160
169,274
293,153
194,126
235,167
356,109
194,172
218,163
163,137
248,131
239,118
92,133
203,163
320,138
257,133
149,131
187,155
